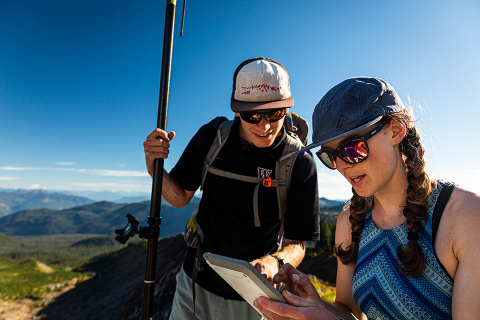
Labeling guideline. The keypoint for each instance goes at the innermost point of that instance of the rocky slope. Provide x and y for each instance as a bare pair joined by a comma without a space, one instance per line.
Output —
116,292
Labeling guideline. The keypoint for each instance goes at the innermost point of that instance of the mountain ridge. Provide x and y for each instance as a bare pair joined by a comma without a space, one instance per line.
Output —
12,201
101,217
97,218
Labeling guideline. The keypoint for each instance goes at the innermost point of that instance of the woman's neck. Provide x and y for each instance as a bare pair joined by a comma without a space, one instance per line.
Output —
389,201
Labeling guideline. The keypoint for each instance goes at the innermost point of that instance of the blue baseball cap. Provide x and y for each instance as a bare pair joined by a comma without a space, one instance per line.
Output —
351,106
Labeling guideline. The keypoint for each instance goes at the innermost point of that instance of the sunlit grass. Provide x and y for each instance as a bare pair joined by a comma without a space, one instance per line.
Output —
21,271
326,291
24,279
55,250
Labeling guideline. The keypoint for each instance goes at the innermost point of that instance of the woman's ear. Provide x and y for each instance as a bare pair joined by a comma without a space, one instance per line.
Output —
399,130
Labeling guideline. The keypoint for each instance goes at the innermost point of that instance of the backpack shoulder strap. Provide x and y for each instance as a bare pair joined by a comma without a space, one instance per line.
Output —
218,142
284,168
442,200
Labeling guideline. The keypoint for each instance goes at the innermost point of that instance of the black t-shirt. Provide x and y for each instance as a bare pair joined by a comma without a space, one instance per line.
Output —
225,212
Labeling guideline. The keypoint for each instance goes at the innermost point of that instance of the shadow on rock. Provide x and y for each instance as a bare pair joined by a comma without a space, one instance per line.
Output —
116,292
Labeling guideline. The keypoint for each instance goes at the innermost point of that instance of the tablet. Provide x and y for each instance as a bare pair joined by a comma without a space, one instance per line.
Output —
243,277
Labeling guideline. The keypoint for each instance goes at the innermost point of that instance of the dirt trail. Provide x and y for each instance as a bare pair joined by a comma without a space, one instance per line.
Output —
26,309
44,268
19,309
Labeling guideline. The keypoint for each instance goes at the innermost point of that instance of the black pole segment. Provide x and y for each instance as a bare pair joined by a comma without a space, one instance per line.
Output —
166,65
155,205
183,17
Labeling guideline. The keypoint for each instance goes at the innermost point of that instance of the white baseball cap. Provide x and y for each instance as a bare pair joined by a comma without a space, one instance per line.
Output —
259,84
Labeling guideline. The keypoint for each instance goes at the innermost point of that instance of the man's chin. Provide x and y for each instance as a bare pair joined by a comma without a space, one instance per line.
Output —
262,143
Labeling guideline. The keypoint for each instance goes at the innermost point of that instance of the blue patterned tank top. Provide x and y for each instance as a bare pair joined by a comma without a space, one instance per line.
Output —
382,292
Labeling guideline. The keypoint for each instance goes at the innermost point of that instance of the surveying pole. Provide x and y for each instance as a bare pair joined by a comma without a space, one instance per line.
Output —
155,220
152,232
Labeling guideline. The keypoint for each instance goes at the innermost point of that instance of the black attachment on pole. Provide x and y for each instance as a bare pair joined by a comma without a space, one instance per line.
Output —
130,230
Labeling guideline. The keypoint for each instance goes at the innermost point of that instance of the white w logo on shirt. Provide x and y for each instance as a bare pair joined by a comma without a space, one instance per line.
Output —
264,173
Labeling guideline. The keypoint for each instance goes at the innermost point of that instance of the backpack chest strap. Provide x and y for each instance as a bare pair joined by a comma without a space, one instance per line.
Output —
231,175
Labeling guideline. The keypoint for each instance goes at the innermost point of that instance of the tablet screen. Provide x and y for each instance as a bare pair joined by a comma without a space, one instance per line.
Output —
243,277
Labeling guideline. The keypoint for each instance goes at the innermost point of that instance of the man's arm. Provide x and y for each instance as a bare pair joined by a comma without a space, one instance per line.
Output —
157,147
173,193
292,252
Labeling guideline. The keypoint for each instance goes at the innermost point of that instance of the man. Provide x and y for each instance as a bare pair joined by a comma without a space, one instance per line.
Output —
232,223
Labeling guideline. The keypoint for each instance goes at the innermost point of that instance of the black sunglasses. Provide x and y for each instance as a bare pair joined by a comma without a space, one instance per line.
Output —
352,151
255,117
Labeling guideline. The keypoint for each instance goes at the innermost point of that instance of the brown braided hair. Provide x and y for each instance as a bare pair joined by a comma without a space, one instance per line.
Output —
410,261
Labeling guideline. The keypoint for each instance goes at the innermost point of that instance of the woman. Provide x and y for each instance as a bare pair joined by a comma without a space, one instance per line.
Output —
390,265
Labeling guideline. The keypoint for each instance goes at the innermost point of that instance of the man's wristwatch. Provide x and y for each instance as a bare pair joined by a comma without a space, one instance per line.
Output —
280,261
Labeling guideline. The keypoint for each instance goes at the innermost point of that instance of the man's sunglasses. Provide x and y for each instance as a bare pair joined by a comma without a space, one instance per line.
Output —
271,116
352,151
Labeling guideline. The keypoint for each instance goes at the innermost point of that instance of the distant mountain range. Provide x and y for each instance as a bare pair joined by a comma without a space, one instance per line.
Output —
325,203
17,200
117,197
39,212
97,218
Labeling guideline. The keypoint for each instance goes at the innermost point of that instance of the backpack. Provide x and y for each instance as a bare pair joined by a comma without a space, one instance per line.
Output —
295,139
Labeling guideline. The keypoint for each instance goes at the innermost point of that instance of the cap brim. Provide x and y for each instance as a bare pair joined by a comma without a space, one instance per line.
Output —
240,106
316,144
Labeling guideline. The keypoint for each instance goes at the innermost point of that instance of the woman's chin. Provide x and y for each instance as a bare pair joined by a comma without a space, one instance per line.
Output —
362,192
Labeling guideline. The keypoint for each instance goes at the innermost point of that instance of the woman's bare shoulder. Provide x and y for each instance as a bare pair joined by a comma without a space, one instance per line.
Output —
463,204
463,215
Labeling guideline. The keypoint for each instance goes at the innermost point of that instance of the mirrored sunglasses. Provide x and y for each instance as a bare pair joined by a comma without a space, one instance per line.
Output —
271,116
352,151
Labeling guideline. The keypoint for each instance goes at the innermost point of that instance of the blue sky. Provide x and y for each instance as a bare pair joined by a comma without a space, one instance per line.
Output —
79,80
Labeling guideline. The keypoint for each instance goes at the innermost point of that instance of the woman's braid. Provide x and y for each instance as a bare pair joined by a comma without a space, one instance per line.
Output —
358,208
419,188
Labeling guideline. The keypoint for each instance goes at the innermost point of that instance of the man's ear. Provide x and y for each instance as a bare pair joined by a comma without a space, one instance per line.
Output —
399,130
237,114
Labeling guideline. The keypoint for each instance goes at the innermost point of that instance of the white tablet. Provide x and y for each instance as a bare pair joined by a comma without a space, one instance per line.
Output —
243,277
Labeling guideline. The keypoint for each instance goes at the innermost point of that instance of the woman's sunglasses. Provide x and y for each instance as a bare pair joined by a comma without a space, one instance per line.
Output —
271,116
352,151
